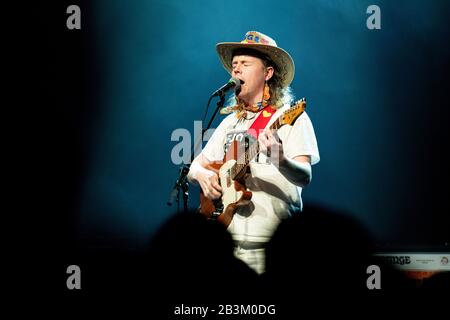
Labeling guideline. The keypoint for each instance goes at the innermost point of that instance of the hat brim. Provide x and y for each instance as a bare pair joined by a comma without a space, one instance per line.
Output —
282,60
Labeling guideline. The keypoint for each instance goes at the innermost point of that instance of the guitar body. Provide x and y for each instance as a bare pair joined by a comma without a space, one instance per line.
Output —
234,191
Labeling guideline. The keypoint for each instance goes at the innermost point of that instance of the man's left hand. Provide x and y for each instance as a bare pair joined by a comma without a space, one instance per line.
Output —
271,145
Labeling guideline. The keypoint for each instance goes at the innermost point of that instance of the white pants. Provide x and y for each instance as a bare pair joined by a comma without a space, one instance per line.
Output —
255,258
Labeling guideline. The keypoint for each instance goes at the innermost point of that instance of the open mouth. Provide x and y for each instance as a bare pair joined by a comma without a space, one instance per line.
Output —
238,88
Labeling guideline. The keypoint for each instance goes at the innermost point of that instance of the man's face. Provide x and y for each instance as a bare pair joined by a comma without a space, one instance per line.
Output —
254,74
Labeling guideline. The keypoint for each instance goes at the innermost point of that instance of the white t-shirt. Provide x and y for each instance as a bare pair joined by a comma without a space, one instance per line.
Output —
273,196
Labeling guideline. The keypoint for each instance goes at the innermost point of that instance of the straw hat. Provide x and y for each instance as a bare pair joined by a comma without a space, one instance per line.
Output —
258,41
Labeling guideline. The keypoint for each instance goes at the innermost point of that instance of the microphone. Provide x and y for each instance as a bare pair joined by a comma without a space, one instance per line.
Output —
233,82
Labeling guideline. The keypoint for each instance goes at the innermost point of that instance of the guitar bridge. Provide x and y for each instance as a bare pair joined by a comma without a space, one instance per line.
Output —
218,209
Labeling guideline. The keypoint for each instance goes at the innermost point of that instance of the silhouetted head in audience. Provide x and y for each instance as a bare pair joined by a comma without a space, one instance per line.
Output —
318,250
191,256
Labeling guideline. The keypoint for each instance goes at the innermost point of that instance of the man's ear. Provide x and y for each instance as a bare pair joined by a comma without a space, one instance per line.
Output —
269,73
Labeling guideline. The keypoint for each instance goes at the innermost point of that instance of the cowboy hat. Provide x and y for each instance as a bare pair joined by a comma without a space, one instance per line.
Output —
283,63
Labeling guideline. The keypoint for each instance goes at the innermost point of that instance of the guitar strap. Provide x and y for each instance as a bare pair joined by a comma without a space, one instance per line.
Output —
260,123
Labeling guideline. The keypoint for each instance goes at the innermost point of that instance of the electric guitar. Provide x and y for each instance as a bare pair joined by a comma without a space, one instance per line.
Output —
233,168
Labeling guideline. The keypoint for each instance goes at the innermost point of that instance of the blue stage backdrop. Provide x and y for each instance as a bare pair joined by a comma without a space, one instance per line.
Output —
377,99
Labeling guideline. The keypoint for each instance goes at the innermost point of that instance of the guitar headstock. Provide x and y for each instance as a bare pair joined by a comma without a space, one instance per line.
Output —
291,115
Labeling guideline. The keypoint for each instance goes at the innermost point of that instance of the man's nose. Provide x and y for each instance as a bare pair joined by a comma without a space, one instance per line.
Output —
236,69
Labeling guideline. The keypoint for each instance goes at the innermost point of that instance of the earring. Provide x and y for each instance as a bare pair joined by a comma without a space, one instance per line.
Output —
266,94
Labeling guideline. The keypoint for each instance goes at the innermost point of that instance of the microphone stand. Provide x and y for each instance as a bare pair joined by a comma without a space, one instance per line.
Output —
182,181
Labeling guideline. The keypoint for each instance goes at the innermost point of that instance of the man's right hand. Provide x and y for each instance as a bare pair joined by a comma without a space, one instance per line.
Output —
209,182
207,179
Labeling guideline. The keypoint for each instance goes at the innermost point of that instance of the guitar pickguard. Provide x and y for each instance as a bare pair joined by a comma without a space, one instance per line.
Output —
229,192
